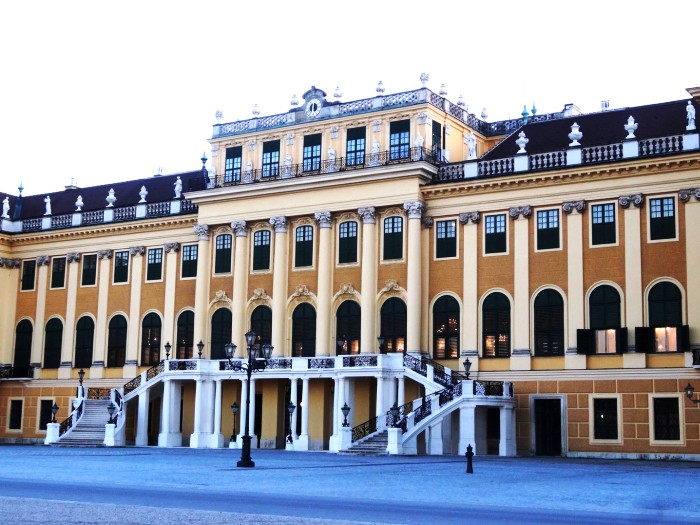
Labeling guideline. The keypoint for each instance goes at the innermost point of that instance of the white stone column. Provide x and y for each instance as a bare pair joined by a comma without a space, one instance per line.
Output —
368,300
575,292
166,412
67,345
201,298
294,398
337,417
197,438
379,406
104,279
634,293
506,445
692,255
251,423
240,285
169,334
470,298
279,285
9,284
467,427
325,275
303,441
244,411
42,269
400,392
175,438
142,421
520,327
132,341
413,277
216,440
435,439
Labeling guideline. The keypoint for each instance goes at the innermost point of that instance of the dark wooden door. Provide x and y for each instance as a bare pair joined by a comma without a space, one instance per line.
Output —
548,427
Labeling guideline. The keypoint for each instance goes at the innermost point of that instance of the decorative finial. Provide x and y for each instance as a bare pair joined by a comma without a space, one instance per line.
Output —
295,100
631,127
524,114
534,109
575,135
204,158
337,93
219,115
20,188
443,90
256,110
522,140
424,77
460,101
380,87
484,113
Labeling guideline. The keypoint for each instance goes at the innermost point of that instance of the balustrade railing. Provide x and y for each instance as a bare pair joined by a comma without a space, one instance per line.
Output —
158,209
661,145
496,167
15,372
31,225
132,385
416,364
72,419
364,429
360,360
318,363
605,153
489,388
93,217
99,393
61,221
540,161
187,364
125,214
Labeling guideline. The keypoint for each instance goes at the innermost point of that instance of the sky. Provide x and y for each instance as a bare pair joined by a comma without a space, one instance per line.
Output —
100,92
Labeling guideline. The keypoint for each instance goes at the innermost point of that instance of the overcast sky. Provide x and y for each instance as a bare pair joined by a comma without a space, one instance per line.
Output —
108,91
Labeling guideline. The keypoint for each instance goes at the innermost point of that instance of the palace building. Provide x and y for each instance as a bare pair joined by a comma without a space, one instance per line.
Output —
422,279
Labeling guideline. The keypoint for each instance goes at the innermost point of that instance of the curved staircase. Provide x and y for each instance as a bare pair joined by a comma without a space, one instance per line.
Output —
90,429
373,446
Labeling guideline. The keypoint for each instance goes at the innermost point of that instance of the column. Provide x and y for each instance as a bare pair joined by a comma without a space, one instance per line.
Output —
634,293
293,397
9,284
169,334
279,285
337,416
251,423
240,285
323,296
427,223
104,278
303,441
69,328
435,439
413,277
202,419
244,411
520,349
400,393
379,406
467,428
692,251
166,412
216,440
132,342
42,265
470,298
506,445
201,298
576,300
368,300
142,418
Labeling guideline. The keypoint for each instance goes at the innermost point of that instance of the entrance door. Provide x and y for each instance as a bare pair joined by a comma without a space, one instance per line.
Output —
548,427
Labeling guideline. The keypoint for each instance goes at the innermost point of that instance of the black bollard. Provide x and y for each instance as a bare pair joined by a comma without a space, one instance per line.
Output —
470,455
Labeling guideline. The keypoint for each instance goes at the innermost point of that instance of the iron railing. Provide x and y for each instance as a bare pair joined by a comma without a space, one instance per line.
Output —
364,429
72,419
360,360
15,372
99,393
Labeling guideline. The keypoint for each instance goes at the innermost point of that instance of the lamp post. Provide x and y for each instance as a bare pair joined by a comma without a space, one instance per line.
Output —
81,375
689,391
110,409
200,347
234,411
252,365
394,411
290,408
381,340
345,409
54,409
467,366
168,346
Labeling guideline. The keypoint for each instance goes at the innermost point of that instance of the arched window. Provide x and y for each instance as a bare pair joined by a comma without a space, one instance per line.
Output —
304,331
116,341
150,340
23,348
220,333
347,328
84,338
52,343
666,328
605,334
549,323
261,324
604,308
446,328
393,321
184,341
496,325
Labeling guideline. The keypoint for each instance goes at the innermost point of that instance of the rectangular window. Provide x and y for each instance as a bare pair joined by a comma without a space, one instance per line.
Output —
154,267
121,267
189,260
547,229
28,274
605,341
662,218
261,250
304,249
446,239
667,425
393,238
399,140
605,419
58,272
495,234
45,414
222,259
271,159
312,152
15,422
665,339
347,242
355,147
232,169
603,224
89,276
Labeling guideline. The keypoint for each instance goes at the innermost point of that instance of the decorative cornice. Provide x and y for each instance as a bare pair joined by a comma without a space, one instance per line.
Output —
569,206
42,260
171,247
367,215
427,221
279,223
240,228
202,231
323,218
517,212
637,199
136,250
104,254
73,257
685,195
470,216
415,209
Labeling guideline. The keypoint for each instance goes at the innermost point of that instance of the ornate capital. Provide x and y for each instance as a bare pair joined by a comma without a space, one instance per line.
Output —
279,223
414,208
637,199
171,247
202,231
470,216
42,260
73,257
240,228
104,254
323,218
569,206
367,215
136,250
685,195
9,263
427,221
517,212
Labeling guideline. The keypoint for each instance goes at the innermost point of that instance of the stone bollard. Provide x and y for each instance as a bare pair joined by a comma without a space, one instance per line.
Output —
470,455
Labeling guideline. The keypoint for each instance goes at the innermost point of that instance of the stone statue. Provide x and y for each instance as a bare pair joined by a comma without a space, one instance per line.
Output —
79,203
6,208
248,175
690,111
471,146
143,194
111,199
178,187
47,201
331,159
418,144
374,156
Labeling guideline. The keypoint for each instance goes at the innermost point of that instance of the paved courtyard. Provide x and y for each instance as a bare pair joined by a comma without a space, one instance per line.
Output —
154,485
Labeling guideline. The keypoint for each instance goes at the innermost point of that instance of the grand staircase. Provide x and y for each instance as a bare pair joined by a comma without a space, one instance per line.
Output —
90,430
373,446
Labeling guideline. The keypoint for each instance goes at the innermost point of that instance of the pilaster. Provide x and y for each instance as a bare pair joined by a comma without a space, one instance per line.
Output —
634,295
470,299
9,284
69,329
132,344
692,255
240,285
576,312
42,265
368,304
201,298
171,250
325,275
279,285
520,350
415,211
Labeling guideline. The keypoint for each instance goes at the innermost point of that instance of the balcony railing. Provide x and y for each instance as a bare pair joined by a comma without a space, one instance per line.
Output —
14,372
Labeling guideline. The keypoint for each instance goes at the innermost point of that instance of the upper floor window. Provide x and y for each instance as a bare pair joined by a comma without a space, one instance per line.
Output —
399,139
347,328
89,276
446,239
185,335
393,238
232,169
28,275
150,339
603,224
549,323
312,152
154,265
271,158
547,229
605,334
304,247
121,267
355,146
496,325
221,323
190,254
222,257
53,341
261,250
495,234
58,272
662,218
116,341
446,328
394,325
304,331
84,339
347,242
261,323
666,332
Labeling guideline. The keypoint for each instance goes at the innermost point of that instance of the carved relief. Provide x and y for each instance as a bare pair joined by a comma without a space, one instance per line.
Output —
221,297
685,195
470,216
42,260
391,285
414,208
9,263
517,212
279,223
260,293
301,290
346,289
427,221
570,206
637,200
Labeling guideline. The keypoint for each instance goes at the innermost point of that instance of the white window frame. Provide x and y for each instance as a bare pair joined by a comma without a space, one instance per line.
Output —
591,417
681,419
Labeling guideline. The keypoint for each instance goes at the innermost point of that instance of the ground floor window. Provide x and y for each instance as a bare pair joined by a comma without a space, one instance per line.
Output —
666,419
605,418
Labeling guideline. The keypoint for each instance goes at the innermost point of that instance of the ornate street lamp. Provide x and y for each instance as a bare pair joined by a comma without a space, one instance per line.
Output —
381,340
81,375
345,410
394,411
467,366
252,365
110,409
200,347
234,411
168,346
689,391
290,408
54,409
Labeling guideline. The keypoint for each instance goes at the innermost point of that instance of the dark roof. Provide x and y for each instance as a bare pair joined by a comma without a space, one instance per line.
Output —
607,127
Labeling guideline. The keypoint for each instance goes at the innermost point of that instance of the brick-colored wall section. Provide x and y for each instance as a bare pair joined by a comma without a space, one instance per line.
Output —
31,397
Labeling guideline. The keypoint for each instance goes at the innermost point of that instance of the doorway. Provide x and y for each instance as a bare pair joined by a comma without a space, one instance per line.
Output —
547,426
